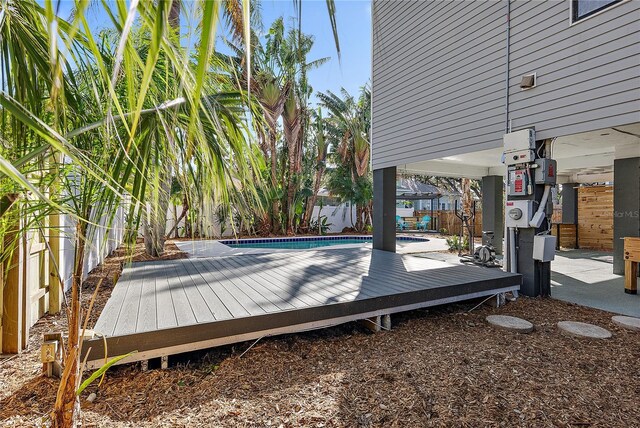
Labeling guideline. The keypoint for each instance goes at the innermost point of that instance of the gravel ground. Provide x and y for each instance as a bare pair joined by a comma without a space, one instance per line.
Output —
437,367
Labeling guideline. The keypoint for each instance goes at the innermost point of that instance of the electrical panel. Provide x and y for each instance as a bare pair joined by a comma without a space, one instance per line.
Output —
544,248
519,146
518,182
518,213
545,173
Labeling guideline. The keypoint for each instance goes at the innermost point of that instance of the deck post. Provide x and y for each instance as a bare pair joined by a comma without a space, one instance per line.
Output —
492,209
384,209
626,207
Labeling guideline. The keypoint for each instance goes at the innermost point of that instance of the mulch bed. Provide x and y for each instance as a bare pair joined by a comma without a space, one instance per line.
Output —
437,367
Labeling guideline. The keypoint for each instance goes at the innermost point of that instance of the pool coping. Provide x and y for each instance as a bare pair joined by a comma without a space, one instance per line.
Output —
218,248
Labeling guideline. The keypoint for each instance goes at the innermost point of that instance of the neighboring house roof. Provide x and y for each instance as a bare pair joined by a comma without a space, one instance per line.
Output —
414,190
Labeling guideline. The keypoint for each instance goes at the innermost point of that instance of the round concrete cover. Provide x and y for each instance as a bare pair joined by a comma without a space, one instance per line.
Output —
629,323
510,323
582,329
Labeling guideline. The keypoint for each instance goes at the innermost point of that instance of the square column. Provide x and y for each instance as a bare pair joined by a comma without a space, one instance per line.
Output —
626,207
384,209
570,203
493,209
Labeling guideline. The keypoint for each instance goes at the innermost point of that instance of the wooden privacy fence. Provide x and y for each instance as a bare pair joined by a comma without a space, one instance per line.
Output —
447,219
595,217
30,280
594,230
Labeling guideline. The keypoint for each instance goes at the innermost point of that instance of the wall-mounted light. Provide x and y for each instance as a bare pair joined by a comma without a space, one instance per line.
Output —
528,81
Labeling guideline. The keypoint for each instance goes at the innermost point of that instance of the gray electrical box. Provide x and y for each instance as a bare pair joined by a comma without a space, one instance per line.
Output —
519,146
544,248
546,171
518,181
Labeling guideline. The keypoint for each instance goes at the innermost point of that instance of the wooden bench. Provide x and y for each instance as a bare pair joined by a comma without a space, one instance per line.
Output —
631,261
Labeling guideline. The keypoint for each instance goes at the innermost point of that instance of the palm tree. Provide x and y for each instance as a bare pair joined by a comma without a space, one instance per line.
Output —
322,147
116,129
350,120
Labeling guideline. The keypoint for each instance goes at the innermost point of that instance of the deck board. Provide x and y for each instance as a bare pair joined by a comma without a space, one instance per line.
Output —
182,307
170,306
164,301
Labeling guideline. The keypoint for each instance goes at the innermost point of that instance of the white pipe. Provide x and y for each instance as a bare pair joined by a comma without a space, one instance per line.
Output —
536,221
513,256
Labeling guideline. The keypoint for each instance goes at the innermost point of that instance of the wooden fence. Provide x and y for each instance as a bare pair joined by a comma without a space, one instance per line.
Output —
446,219
595,217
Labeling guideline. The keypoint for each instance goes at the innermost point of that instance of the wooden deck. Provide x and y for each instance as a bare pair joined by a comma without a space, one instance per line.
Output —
167,307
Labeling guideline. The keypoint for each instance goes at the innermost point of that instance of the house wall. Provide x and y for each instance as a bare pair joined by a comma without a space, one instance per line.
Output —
438,79
588,72
439,74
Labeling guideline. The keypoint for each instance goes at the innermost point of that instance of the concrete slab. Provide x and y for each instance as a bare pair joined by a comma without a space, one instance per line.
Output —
586,277
510,323
582,329
583,277
630,323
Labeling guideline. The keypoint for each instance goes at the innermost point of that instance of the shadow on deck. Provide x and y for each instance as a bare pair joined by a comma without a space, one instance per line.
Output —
168,307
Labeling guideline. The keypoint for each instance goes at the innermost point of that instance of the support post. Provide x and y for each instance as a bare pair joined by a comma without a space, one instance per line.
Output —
384,209
55,285
13,301
492,209
570,203
626,207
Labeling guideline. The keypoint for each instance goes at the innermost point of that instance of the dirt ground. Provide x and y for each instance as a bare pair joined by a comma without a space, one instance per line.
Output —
437,367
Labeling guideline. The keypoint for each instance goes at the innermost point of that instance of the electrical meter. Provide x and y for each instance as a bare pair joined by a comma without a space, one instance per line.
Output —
518,213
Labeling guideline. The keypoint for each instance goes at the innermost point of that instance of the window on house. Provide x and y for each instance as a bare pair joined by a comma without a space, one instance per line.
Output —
583,8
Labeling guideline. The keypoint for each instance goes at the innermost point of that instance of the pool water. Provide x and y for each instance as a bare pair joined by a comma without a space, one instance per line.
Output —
306,242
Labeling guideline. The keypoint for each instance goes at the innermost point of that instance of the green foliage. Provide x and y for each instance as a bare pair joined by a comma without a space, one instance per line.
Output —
323,226
455,244
101,371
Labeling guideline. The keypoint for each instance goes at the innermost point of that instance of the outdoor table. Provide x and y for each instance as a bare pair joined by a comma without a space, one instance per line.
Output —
631,261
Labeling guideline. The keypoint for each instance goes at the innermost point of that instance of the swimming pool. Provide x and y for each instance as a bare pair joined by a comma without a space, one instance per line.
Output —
307,242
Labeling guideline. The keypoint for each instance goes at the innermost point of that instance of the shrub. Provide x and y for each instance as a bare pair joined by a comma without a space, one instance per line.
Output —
455,244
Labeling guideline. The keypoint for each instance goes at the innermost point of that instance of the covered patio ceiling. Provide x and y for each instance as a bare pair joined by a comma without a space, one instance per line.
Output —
582,158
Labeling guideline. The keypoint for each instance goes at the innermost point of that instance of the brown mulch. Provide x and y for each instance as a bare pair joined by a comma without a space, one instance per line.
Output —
437,367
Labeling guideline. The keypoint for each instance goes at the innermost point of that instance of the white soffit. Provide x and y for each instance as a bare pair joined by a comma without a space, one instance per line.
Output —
589,155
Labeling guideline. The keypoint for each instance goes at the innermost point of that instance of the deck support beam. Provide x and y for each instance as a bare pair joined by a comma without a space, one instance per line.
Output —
384,209
626,207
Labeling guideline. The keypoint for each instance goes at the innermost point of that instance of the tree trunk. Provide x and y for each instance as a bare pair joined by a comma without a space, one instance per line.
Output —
311,202
155,226
185,208
275,206
67,405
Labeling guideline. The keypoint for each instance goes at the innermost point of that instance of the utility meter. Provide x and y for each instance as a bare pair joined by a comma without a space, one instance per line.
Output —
518,213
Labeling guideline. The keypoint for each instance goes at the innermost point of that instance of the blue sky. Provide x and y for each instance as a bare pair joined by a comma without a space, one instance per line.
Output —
354,30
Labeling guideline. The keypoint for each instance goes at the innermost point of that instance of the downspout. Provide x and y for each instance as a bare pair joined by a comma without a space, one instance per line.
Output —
511,262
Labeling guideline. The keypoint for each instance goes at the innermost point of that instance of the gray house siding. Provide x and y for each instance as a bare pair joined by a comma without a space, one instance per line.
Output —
439,74
588,73
438,78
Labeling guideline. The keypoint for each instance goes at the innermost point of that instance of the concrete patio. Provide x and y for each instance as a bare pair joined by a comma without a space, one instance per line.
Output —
584,277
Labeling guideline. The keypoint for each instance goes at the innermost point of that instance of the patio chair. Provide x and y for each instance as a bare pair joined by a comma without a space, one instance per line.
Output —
401,224
424,223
